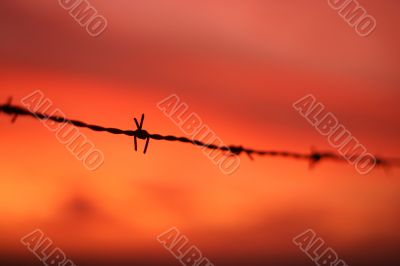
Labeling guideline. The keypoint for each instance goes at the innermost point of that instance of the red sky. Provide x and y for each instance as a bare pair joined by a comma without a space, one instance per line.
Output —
239,65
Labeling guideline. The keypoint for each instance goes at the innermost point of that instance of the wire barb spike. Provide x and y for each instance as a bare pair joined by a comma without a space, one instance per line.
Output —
8,106
141,133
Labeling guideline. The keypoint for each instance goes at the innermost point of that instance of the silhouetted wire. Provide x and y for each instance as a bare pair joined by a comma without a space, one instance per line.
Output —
313,157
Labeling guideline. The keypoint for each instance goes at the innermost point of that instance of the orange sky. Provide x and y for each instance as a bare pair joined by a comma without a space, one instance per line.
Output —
238,65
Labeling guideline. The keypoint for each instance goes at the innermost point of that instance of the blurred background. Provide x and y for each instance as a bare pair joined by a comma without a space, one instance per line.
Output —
239,65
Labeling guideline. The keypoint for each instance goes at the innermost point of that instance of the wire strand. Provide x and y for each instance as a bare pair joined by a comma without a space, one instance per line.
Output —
313,157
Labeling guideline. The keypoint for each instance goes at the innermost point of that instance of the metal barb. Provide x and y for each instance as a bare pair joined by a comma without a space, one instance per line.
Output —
14,118
141,134
314,158
250,156
8,105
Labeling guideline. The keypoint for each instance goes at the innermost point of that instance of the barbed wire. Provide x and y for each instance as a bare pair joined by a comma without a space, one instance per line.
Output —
314,157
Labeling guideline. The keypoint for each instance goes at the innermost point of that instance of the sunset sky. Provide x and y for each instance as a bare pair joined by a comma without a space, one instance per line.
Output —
239,65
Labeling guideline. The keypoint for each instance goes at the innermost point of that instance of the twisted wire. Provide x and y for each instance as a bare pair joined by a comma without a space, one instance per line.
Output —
313,157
